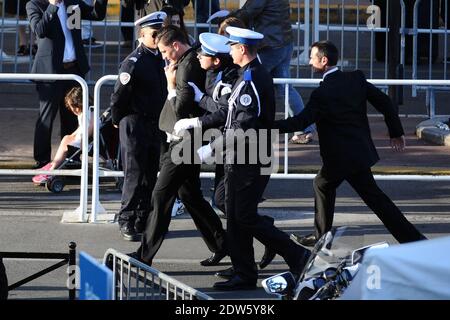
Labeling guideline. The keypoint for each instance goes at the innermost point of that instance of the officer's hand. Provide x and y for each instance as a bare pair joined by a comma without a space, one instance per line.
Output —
398,144
54,2
116,126
198,94
206,154
185,124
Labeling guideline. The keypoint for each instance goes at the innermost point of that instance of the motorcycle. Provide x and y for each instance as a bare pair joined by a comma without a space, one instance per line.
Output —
330,269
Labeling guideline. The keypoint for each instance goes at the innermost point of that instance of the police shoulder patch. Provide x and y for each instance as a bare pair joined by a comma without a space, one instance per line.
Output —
124,78
245,100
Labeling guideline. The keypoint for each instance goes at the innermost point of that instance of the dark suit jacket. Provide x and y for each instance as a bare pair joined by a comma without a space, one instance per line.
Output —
338,107
45,25
183,105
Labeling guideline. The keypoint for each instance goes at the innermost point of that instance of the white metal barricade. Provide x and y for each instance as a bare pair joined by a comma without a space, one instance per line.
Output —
80,214
134,280
98,213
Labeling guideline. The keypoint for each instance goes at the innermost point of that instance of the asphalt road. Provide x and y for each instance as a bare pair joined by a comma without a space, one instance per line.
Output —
30,222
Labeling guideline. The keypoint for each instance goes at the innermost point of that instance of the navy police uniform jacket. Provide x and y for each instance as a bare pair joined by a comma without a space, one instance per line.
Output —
141,87
254,105
218,83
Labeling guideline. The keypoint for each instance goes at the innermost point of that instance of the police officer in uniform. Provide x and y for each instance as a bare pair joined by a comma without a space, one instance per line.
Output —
214,56
250,106
136,104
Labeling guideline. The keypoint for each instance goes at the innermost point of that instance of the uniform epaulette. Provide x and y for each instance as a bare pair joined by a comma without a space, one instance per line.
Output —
248,75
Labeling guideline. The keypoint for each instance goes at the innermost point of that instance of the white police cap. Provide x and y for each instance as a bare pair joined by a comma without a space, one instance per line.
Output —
213,44
218,14
152,19
243,36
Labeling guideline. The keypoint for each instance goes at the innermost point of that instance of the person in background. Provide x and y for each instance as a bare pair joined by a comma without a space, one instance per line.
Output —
25,47
74,103
60,51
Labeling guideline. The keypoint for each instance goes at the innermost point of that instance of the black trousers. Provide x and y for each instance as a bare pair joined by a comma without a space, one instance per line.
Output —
244,187
140,144
51,100
325,185
127,15
182,180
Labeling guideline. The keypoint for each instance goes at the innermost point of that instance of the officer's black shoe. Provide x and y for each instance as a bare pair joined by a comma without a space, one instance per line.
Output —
226,273
267,257
307,241
128,233
235,283
214,259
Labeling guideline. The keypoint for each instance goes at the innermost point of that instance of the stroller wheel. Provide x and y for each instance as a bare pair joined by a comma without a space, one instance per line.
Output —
55,185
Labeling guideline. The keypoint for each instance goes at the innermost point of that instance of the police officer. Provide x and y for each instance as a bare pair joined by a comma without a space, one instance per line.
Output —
214,56
136,104
251,105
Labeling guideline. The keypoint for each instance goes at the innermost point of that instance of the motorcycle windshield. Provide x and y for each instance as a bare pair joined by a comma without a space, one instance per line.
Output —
332,249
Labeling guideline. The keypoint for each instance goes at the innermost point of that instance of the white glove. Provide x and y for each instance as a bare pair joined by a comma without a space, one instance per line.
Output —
185,124
198,94
205,154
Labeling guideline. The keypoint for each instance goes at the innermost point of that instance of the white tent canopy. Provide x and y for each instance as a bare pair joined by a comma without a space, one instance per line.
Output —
418,270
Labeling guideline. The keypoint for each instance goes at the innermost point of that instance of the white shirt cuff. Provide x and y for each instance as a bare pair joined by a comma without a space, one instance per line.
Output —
172,93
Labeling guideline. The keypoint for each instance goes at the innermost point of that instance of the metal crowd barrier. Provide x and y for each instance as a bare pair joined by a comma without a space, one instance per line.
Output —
66,258
134,280
98,213
80,214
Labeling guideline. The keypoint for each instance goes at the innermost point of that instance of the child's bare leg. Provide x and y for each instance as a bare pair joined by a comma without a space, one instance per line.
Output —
61,153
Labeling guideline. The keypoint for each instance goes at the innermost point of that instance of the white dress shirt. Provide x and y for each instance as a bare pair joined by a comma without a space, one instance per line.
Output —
69,49
329,71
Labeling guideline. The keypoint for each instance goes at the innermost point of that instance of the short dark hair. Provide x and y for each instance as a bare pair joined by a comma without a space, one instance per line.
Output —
169,34
230,22
327,49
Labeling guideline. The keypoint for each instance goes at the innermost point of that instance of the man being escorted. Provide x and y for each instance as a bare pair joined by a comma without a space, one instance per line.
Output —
137,101
250,107
182,179
338,107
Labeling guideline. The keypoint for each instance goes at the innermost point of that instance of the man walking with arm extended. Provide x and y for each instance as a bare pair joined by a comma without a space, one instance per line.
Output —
339,109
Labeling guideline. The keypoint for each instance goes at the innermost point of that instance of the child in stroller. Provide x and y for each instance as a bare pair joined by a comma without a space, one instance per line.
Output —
69,149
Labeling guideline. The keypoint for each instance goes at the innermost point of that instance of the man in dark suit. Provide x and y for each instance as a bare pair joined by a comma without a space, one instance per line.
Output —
60,50
338,107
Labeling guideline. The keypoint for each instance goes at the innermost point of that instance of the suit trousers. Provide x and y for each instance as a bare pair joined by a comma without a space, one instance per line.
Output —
244,187
139,146
363,182
51,100
182,180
